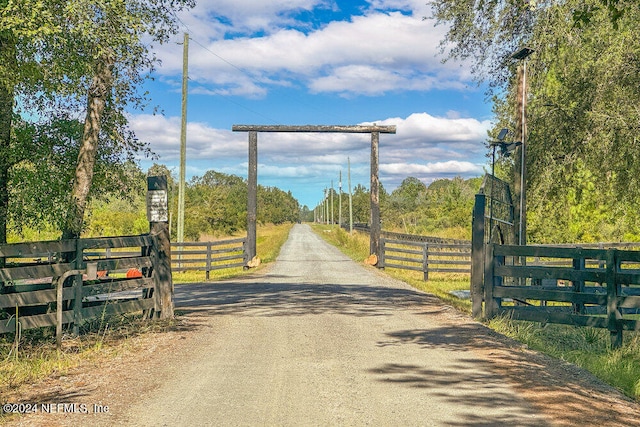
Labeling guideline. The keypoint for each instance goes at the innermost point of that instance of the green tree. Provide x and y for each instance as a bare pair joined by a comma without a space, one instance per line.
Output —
43,160
584,88
54,55
108,37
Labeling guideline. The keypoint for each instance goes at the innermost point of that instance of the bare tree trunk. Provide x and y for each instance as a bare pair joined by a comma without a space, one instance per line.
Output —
8,58
96,101
6,111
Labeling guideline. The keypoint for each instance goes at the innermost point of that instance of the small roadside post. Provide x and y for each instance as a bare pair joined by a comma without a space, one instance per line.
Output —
158,217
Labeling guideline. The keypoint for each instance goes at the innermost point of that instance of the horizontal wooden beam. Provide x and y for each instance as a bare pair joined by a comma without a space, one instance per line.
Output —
314,128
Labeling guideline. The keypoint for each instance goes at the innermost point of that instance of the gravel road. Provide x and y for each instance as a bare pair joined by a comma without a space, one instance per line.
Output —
321,340
318,340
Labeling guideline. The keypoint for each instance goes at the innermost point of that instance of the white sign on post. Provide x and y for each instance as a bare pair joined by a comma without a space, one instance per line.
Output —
157,206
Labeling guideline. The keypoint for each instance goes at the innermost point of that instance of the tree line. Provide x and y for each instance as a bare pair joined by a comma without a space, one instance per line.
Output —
215,205
442,208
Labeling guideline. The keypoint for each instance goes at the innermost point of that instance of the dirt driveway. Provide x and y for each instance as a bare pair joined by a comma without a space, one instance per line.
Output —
321,340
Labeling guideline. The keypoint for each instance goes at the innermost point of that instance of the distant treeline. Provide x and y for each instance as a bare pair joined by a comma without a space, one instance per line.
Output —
443,208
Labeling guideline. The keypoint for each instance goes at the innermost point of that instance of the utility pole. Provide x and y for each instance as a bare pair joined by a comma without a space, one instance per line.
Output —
331,202
183,137
326,206
340,200
350,199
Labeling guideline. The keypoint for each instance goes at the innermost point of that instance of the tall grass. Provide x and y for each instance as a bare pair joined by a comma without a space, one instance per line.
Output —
588,348
39,358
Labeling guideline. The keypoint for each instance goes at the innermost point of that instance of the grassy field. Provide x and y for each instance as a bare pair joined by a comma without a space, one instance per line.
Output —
586,347
35,357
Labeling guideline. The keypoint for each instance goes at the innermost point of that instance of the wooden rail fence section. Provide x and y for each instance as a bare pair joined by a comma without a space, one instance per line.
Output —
203,256
209,256
425,257
34,292
583,287
111,275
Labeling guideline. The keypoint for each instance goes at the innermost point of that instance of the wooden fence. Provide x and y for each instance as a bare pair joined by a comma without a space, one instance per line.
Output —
71,281
202,256
575,286
209,256
440,257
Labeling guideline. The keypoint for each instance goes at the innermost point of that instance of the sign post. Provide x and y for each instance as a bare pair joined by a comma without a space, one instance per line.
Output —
158,216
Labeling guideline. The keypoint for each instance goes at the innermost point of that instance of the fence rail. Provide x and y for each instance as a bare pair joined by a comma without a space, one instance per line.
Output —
209,256
199,256
425,257
71,281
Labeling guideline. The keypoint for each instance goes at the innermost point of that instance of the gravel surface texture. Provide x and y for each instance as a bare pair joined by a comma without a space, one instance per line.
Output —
317,339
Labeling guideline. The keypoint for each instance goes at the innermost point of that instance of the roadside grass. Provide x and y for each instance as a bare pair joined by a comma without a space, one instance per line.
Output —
588,348
36,357
356,247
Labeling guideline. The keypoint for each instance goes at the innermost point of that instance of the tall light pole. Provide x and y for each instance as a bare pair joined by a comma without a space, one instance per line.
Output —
522,55
350,198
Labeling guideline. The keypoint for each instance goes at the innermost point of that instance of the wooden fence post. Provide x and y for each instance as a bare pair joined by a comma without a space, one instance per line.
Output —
477,256
425,262
208,263
578,285
491,280
381,259
613,314
59,289
77,289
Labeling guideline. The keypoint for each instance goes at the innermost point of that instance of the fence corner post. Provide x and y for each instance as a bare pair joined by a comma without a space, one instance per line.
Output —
162,279
477,256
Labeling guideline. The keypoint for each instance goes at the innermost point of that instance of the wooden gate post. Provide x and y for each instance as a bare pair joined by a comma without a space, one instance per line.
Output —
477,255
157,214
252,195
490,280
374,237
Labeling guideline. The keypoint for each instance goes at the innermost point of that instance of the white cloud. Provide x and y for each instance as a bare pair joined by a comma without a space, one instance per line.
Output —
424,146
378,52
451,168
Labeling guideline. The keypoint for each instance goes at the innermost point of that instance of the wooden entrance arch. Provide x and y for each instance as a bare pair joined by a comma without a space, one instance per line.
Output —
252,199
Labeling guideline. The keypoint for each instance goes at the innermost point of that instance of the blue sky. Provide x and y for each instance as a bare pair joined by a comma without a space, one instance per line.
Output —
317,62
